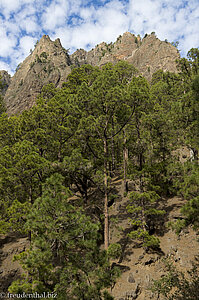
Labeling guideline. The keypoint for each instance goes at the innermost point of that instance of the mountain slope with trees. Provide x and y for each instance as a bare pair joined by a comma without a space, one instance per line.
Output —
59,161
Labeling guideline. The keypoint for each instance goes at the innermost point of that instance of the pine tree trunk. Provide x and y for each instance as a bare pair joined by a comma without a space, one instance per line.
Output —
31,202
113,148
143,217
125,162
106,221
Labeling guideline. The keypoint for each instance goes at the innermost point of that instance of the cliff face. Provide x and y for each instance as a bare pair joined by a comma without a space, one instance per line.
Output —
153,55
147,55
103,53
50,63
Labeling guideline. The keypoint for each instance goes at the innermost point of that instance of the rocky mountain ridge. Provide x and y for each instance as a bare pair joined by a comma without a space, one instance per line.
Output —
147,55
49,62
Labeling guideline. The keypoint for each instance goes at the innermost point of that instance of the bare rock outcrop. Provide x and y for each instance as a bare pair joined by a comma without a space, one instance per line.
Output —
48,63
10,270
153,55
148,54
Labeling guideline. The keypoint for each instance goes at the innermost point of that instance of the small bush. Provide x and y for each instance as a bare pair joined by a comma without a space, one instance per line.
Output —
114,251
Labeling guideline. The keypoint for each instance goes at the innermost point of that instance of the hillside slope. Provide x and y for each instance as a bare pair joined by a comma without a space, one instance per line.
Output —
138,267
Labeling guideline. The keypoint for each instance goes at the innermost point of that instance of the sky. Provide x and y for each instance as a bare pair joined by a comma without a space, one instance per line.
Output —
84,24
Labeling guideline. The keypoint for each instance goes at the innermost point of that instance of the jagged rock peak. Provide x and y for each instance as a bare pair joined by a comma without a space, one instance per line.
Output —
148,54
58,42
45,39
45,44
49,62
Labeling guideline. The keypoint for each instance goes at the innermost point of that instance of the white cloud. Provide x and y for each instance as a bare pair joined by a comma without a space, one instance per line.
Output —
79,23
26,43
87,13
7,43
55,15
29,24
8,6
100,24
6,67
169,19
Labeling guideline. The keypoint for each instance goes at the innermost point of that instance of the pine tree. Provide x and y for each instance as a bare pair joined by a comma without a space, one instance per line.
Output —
64,257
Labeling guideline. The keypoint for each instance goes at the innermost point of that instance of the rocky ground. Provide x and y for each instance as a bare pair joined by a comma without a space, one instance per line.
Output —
10,270
139,268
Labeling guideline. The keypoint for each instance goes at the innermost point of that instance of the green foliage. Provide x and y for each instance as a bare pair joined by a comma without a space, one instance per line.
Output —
80,171
20,288
38,59
149,241
103,52
85,73
44,55
107,296
191,210
193,57
177,226
188,184
189,188
175,44
64,257
143,212
16,218
114,251
104,122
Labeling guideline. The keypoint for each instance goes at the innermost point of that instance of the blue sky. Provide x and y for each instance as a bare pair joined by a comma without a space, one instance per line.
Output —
84,23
